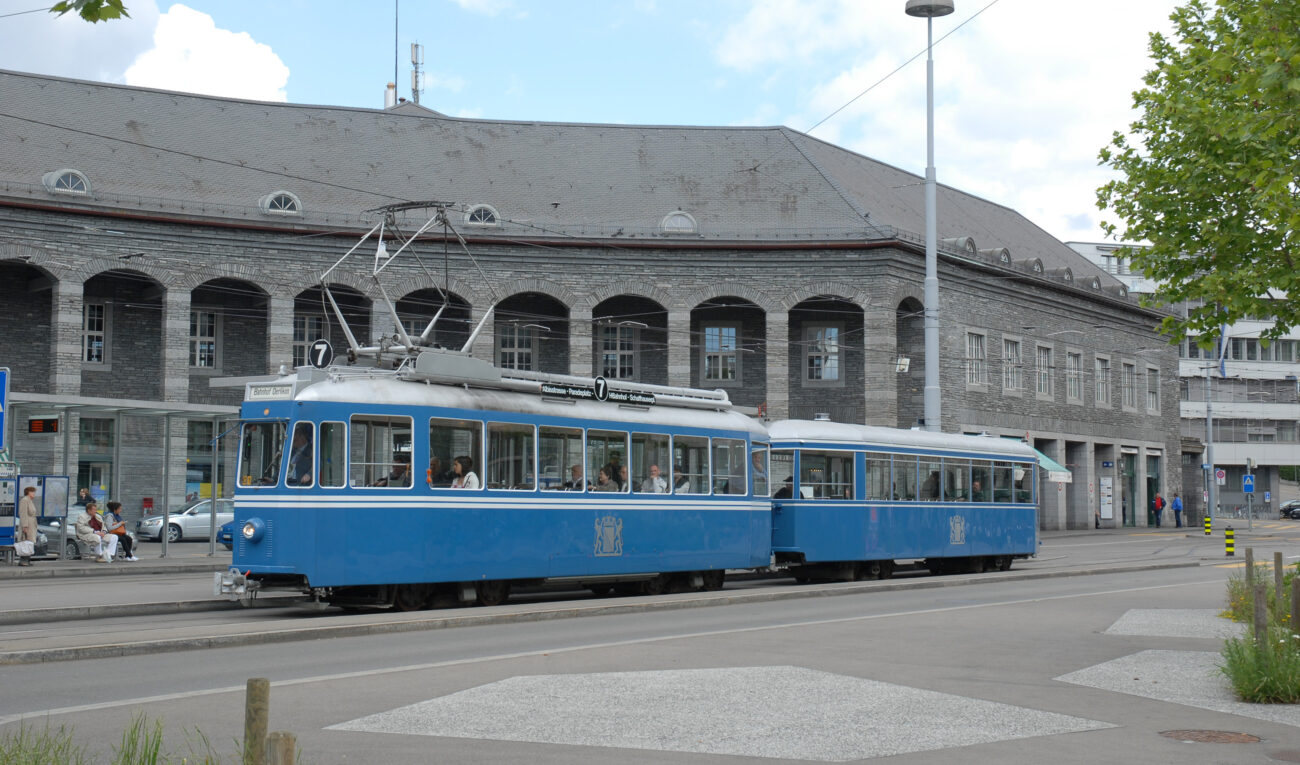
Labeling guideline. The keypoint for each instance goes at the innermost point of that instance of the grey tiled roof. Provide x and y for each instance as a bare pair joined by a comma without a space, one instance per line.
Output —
216,157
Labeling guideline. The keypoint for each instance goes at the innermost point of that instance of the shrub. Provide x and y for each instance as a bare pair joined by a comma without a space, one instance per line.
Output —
1264,672
26,746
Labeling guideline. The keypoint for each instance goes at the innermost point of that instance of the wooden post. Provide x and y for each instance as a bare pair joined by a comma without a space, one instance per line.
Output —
281,748
1261,613
1295,607
1250,569
1279,593
257,708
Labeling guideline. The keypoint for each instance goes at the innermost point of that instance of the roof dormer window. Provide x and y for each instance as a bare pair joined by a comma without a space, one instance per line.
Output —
280,203
678,222
482,215
66,182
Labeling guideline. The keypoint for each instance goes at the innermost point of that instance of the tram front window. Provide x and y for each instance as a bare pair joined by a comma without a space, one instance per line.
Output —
260,450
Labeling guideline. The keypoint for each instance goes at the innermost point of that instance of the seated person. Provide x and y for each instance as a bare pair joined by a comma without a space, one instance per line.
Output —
92,534
786,491
437,477
681,483
400,474
575,482
655,484
622,478
113,524
604,482
463,469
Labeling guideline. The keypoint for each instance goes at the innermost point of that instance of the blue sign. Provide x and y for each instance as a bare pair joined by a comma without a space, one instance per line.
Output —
1268,496
1107,463
4,404
1248,483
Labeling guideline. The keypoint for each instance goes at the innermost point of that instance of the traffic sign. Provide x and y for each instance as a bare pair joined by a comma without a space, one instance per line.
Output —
1220,476
1268,496
1248,483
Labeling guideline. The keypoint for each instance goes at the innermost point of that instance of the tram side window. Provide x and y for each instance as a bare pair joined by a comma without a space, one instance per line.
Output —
1023,475
690,465
758,457
381,451
651,463
904,477
782,472
729,466
300,456
561,450
1003,486
605,452
331,465
260,450
877,477
980,481
510,457
956,477
930,472
825,475
449,439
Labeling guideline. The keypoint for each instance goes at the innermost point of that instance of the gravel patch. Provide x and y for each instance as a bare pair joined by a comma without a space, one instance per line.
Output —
1190,678
782,712
1176,622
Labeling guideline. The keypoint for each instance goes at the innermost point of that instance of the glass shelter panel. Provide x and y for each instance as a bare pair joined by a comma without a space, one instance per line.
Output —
510,457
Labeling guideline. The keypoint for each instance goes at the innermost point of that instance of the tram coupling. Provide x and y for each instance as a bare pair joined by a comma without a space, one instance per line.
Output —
234,585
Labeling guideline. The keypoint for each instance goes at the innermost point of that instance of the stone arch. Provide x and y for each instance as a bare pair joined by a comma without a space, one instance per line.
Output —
232,318
623,287
531,330
630,338
100,266
417,306
28,330
547,287
760,298
909,342
729,345
830,289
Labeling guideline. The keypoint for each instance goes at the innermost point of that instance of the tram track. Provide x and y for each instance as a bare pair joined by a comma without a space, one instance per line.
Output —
111,631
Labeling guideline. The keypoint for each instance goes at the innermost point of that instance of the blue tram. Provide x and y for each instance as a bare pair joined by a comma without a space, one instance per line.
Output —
449,480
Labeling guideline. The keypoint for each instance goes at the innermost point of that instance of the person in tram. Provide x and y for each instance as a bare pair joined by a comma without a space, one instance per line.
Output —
400,474
604,482
655,484
622,478
300,456
463,469
575,482
680,482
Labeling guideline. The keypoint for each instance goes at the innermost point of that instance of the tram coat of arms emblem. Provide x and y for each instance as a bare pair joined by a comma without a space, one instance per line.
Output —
609,536
957,530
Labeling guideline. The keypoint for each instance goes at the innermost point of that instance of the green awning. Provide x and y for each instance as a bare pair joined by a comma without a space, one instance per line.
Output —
1055,470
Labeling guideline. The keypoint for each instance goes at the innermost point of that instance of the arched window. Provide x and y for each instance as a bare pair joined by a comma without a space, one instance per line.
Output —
66,182
280,203
678,222
482,215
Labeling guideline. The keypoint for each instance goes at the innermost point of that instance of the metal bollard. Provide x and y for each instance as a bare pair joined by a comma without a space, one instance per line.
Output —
1227,542
1207,525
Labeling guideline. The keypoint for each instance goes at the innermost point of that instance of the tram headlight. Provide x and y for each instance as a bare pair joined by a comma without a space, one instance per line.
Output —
253,529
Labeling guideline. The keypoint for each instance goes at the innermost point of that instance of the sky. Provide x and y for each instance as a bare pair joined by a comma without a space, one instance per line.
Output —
1026,91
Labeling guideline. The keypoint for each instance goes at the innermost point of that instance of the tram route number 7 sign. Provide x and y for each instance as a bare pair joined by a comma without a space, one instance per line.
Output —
4,405
320,354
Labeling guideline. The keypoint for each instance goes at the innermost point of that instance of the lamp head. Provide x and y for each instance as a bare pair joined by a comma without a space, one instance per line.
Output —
927,9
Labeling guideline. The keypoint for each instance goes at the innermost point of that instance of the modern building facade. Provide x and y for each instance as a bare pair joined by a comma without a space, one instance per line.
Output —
1254,400
156,243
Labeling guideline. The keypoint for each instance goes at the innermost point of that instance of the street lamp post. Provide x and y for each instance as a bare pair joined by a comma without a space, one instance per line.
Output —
928,9
1211,481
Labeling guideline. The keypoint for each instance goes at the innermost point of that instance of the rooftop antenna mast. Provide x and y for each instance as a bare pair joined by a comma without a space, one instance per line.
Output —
417,60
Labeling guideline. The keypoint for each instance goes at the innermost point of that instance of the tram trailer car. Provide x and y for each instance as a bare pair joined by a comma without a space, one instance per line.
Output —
344,489
859,498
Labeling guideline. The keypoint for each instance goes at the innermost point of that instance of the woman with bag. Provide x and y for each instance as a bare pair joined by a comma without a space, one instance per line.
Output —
114,524
91,534
25,544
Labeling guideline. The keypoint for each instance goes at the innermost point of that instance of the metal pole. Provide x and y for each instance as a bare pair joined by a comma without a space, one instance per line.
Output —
167,465
933,413
1212,494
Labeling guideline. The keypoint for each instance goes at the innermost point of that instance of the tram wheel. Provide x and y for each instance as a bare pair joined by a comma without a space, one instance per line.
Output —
977,564
601,590
713,580
868,570
1002,563
410,597
492,593
937,566
886,569
655,586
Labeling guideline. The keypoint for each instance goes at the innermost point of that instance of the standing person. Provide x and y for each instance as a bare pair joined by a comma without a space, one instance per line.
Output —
27,521
463,470
1177,505
91,533
114,525
1159,504
83,496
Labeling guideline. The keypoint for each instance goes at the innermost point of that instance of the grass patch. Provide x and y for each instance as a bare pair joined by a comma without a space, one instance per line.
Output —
1263,671
142,744
29,746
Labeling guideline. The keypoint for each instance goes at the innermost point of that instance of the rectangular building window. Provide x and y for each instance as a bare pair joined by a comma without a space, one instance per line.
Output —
1074,376
1153,390
1128,386
516,346
821,353
1043,372
721,354
1103,382
94,332
306,330
1012,372
618,352
203,339
976,365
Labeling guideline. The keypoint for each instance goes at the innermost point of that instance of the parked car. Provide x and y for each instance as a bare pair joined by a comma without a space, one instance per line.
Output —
1290,509
226,535
192,520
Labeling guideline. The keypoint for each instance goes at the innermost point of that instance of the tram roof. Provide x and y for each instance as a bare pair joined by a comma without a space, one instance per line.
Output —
818,431
390,391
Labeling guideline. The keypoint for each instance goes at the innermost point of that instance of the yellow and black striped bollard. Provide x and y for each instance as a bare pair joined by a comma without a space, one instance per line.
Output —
1207,525
1227,542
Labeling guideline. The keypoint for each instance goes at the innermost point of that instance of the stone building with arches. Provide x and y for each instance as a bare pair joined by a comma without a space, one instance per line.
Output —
155,243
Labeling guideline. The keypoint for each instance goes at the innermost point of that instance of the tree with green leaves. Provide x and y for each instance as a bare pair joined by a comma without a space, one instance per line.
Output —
1210,171
93,10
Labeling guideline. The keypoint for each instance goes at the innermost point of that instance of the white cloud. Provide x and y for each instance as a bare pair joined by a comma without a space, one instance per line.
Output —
191,54
66,46
435,81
